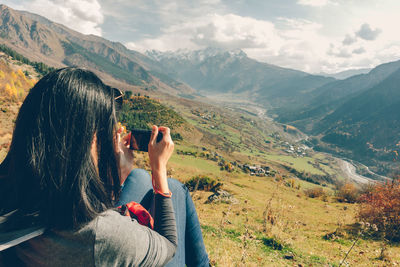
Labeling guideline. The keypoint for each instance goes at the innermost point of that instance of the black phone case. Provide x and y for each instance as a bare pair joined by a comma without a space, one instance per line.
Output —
140,139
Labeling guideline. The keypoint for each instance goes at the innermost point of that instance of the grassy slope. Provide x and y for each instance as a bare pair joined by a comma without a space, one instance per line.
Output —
300,222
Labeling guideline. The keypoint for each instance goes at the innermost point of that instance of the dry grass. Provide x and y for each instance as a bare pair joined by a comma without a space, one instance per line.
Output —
298,224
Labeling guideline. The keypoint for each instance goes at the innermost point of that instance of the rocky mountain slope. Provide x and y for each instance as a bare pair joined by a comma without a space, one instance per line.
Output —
41,40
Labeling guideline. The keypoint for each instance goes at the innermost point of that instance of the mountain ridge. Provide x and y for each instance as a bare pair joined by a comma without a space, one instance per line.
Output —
365,111
330,96
42,40
342,75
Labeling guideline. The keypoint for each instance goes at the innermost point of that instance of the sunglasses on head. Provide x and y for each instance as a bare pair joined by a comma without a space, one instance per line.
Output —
118,95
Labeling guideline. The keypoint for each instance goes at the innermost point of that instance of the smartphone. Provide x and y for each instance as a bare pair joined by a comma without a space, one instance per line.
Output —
140,139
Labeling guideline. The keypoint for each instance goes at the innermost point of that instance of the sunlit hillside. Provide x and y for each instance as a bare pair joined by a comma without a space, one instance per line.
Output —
16,78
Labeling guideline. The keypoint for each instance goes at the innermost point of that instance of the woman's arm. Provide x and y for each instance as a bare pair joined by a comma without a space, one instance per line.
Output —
146,247
159,154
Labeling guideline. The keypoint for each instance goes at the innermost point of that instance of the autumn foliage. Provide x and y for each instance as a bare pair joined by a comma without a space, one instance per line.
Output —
348,193
381,206
14,85
314,192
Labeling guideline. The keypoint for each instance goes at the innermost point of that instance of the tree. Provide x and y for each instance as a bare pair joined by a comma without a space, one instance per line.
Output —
11,90
128,94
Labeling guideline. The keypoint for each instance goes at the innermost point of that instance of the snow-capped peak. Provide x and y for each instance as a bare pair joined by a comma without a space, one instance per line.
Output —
194,56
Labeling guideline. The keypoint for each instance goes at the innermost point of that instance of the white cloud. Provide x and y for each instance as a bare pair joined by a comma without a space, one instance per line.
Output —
84,16
296,34
289,43
315,3
310,35
228,31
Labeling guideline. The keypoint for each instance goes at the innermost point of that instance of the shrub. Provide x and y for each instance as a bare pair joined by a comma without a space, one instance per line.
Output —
272,243
348,193
381,207
314,192
202,182
290,183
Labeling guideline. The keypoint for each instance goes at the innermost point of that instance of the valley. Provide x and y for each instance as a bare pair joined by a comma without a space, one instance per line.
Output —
347,169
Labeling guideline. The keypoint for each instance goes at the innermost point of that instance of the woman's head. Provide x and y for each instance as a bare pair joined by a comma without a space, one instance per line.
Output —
50,169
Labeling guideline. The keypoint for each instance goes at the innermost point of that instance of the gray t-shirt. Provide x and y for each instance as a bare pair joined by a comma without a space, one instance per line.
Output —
109,240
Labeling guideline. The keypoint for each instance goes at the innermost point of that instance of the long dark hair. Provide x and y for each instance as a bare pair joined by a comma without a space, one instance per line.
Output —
49,170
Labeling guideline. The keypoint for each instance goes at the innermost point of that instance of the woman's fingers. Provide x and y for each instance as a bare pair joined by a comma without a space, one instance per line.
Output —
166,133
126,139
154,133
164,130
118,142
120,129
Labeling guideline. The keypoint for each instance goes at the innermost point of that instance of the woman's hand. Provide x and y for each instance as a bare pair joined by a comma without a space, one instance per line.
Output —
159,154
124,155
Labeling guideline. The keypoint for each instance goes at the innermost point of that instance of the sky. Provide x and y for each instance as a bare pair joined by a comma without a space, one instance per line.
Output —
309,35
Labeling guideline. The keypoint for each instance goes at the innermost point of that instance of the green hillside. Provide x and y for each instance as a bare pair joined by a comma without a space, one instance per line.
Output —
141,112
317,104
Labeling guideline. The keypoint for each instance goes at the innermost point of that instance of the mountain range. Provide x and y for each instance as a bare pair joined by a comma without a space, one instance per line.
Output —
340,112
217,71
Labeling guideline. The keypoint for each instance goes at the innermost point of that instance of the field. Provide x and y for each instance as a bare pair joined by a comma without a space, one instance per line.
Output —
302,164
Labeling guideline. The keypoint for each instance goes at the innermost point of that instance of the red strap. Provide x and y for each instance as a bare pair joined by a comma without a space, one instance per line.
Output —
157,191
138,211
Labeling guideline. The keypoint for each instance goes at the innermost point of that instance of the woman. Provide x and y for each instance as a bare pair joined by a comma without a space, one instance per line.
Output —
64,171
